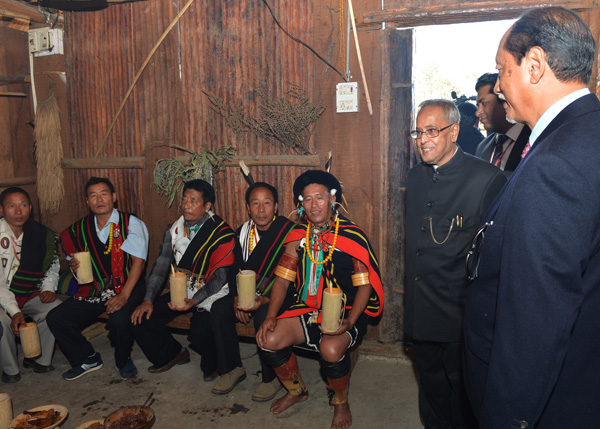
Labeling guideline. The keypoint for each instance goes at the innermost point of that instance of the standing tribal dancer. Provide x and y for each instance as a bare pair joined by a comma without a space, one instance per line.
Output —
327,251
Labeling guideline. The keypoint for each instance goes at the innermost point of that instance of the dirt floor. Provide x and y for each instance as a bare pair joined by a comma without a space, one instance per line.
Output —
383,392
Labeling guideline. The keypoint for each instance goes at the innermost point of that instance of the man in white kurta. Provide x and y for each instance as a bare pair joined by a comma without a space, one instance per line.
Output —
31,247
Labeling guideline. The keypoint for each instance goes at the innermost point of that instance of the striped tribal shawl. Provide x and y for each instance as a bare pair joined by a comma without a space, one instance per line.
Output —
351,243
38,253
210,249
266,253
81,236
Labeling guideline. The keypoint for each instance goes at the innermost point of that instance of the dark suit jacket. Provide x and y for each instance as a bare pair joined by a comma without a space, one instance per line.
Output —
436,277
486,148
532,320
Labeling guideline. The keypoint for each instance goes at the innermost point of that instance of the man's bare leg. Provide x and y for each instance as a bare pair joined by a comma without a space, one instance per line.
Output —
342,417
285,364
285,402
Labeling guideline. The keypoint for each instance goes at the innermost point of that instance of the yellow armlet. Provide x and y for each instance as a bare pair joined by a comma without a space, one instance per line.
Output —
360,279
285,273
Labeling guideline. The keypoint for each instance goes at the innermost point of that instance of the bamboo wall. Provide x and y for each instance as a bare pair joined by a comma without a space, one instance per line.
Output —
222,47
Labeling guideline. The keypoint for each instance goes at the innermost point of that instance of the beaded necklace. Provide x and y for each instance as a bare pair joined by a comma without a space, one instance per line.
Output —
331,248
251,239
110,239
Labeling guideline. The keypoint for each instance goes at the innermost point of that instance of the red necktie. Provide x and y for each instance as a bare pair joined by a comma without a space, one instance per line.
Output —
525,150
499,148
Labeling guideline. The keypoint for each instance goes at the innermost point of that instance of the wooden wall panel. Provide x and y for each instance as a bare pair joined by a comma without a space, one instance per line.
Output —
16,136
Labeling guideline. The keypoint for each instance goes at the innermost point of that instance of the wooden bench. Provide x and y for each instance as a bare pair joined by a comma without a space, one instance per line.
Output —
183,322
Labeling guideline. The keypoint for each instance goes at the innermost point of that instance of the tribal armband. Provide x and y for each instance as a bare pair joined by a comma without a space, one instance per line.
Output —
287,267
361,273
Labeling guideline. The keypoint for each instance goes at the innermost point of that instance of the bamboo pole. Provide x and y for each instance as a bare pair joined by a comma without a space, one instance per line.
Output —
277,160
360,61
135,162
139,162
21,10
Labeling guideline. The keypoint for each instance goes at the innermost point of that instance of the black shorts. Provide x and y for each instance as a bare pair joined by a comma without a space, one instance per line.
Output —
313,335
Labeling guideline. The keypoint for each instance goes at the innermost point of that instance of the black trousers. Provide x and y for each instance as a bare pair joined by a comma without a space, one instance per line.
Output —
158,343
443,402
68,319
226,339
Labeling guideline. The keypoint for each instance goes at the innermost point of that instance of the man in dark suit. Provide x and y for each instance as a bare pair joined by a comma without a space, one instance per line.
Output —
446,197
532,336
505,141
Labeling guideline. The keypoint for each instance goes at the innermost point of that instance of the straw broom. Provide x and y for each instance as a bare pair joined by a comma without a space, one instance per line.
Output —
48,155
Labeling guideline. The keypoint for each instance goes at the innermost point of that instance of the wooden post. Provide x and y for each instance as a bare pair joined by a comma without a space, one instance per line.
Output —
11,79
396,153
17,181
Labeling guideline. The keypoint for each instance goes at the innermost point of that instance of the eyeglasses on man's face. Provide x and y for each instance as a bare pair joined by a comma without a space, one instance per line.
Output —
430,132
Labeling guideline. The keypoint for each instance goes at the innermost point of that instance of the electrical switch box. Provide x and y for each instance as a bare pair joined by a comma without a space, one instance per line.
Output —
46,41
347,97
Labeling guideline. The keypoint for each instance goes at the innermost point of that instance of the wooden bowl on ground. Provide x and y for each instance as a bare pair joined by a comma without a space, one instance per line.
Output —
124,418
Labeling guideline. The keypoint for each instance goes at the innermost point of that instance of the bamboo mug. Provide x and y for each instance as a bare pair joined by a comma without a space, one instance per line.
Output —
30,340
331,310
6,413
84,273
178,287
246,287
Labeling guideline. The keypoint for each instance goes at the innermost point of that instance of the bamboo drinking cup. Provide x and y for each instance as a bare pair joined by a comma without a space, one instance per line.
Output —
6,413
178,287
30,340
331,309
246,287
84,273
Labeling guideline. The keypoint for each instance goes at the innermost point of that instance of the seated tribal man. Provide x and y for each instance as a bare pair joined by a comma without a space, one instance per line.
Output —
332,252
118,247
259,246
29,275
200,243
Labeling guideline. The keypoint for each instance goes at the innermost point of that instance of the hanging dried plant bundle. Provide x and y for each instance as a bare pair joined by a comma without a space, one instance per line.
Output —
48,154
287,121
171,173
233,114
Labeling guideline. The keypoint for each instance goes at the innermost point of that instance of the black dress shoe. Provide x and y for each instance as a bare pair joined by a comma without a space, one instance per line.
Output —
10,378
41,369
180,359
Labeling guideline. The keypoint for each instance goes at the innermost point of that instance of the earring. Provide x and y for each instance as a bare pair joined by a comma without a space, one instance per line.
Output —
274,217
300,212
